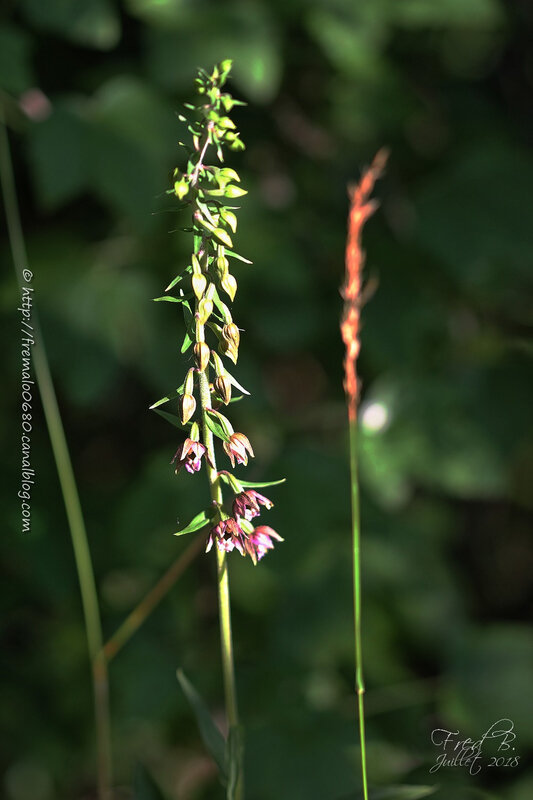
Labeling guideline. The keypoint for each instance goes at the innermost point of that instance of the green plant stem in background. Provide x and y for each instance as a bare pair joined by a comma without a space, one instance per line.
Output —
361,209
67,481
236,787
356,543
142,611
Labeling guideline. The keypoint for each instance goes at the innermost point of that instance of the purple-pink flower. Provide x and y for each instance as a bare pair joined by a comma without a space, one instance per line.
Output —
247,504
189,455
238,448
260,542
228,535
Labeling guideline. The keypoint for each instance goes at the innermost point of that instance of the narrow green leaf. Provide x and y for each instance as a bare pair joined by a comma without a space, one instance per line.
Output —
232,254
169,299
218,427
144,786
232,481
205,211
176,280
236,383
166,399
187,341
212,737
254,485
222,307
197,522
189,319
172,418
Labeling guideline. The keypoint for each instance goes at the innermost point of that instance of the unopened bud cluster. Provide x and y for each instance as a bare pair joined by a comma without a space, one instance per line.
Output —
205,287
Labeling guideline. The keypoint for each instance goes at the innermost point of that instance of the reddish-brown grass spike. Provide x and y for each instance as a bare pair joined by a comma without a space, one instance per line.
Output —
361,209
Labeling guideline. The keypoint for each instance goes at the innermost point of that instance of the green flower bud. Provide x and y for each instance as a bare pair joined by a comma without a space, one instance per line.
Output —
229,284
199,282
229,350
181,189
236,144
188,387
231,334
222,386
229,174
222,266
219,366
223,236
205,309
225,123
202,354
229,218
187,407
234,191
225,67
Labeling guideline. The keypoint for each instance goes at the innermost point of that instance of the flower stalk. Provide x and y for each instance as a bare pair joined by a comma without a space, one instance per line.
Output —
361,208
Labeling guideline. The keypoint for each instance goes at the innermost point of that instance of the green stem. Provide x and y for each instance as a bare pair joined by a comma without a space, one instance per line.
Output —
356,529
69,490
135,619
236,786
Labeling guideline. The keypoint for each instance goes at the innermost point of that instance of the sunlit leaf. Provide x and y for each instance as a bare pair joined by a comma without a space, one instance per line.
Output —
217,426
263,485
197,522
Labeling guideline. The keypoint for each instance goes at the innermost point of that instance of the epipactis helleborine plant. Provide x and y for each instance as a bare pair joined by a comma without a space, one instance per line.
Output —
204,290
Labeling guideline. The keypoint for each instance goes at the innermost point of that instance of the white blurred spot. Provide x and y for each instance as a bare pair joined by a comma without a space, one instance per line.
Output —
375,417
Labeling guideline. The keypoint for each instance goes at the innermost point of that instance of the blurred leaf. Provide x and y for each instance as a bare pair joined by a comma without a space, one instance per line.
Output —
488,679
353,45
243,29
124,175
135,111
472,217
144,786
446,13
432,439
93,23
58,150
397,793
15,66
211,735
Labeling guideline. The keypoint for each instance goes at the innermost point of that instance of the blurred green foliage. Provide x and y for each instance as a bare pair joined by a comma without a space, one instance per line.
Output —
447,446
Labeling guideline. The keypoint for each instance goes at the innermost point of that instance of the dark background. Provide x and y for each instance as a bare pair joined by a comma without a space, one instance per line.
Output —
446,358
